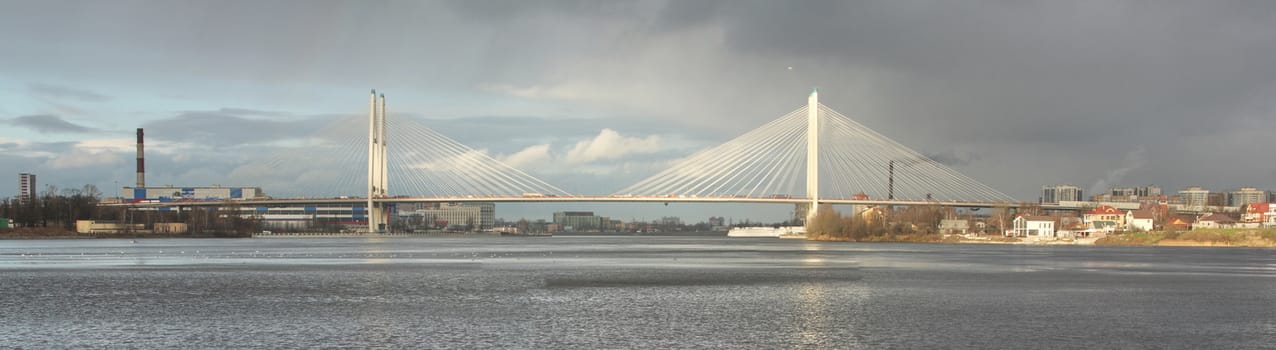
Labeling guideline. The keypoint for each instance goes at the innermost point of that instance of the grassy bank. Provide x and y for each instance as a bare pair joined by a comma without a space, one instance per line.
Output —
914,238
1200,237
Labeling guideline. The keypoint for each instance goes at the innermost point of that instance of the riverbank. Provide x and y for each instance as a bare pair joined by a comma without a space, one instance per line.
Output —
1264,238
917,238
62,233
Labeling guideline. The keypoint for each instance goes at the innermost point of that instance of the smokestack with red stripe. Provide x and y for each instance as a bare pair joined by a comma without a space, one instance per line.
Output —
141,161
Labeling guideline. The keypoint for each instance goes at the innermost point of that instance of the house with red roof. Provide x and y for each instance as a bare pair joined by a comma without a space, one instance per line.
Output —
1104,218
1258,212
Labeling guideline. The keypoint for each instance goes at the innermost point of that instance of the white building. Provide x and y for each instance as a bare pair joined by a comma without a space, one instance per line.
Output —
1029,225
1139,220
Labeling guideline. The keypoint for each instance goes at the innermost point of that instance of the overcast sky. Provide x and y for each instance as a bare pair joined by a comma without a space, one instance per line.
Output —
1014,94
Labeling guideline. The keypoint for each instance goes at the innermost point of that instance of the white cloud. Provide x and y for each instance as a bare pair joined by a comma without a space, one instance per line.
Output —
89,153
576,90
108,145
92,152
610,144
529,156
460,162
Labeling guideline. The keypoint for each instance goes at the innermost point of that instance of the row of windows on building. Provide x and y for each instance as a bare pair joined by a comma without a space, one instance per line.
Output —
1194,196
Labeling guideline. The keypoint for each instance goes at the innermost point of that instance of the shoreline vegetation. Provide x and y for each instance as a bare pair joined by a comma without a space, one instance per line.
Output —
1254,238
1220,237
920,227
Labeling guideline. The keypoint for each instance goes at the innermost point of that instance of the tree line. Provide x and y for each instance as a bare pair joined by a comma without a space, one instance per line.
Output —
875,223
60,209
53,208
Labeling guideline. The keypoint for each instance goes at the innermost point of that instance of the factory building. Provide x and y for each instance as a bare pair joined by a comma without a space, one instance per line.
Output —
324,216
172,193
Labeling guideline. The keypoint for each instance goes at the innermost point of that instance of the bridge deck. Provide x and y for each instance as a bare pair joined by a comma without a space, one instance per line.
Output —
572,199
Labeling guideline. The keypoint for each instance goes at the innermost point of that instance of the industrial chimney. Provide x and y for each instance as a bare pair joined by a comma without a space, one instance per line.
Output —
141,161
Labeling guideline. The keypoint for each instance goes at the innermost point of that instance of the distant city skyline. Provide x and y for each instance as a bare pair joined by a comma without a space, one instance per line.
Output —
1098,95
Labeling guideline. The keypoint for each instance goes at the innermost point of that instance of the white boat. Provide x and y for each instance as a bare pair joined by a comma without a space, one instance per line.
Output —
766,231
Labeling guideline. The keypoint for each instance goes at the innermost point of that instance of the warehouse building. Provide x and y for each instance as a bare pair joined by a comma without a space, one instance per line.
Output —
172,193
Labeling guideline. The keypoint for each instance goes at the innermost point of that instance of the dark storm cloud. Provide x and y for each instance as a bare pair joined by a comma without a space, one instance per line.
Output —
1066,89
56,91
1088,70
1073,86
951,158
48,123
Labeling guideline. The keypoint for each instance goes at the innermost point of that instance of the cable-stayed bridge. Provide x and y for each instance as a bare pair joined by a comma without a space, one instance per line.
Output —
810,156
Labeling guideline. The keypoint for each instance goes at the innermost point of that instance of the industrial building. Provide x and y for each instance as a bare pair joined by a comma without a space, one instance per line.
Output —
304,217
327,217
173,193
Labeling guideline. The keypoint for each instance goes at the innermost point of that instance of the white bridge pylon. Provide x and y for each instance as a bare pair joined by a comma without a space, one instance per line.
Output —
427,164
839,158
377,177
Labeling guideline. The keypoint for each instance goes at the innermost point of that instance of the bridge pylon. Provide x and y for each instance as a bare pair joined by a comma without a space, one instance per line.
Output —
844,160
813,153
377,174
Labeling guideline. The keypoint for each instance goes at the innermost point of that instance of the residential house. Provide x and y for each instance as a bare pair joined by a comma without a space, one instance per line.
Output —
1215,220
1105,218
1178,223
1258,212
1032,225
1139,220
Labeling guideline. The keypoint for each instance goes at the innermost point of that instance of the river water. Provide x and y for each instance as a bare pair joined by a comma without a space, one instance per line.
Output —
628,292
